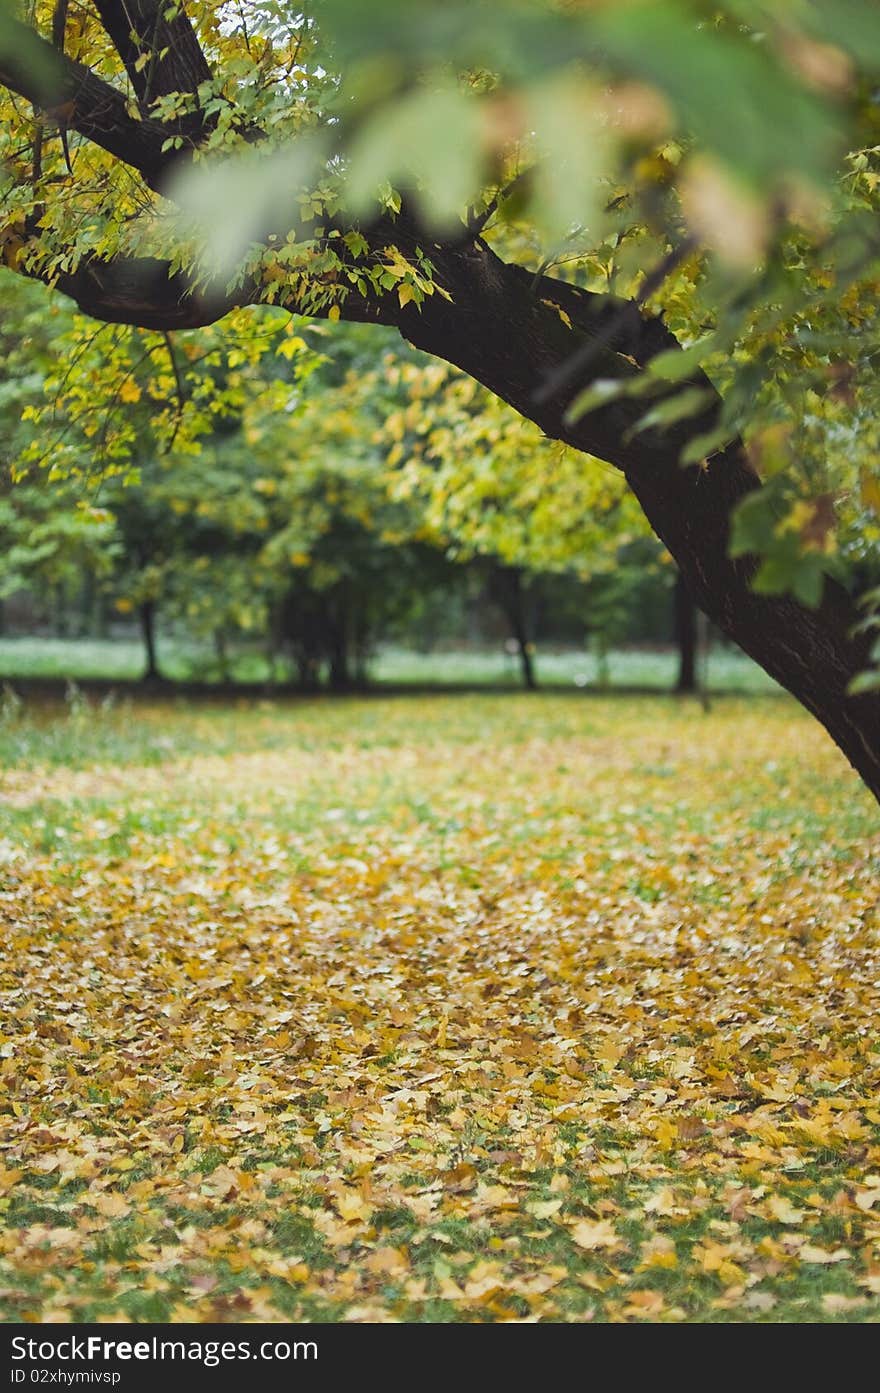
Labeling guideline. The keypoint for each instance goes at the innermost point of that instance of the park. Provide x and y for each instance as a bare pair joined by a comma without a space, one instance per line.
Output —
439,663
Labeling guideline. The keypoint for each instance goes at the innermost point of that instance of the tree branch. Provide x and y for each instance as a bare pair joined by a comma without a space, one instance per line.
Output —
176,62
79,100
144,292
567,373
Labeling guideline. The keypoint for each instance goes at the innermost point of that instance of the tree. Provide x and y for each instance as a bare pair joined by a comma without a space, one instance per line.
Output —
52,539
590,136
493,490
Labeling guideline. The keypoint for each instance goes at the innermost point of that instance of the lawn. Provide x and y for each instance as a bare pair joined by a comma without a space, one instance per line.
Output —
121,659
476,1008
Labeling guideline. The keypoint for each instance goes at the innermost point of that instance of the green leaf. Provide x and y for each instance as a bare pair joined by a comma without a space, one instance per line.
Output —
599,393
868,681
429,139
702,447
852,24
675,363
728,90
676,408
753,524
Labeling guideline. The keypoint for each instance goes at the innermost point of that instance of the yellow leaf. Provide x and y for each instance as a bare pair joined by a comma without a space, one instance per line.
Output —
8,1178
836,1303
821,1255
870,489
782,1209
590,1236
544,1209
660,1252
387,1262
353,1207
112,1206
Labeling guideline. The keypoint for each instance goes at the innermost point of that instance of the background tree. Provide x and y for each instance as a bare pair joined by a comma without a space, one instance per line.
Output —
494,490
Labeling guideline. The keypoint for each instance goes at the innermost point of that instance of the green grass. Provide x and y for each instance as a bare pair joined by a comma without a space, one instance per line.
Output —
122,660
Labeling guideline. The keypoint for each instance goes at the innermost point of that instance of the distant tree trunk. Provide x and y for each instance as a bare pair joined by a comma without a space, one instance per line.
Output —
60,612
527,667
302,624
222,654
361,637
147,614
339,677
506,589
98,616
273,644
685,612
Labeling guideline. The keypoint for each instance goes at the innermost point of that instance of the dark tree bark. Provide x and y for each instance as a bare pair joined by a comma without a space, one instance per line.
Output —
147,615
506,589
336,640
176,62
78,100
685,622
516,332
221,651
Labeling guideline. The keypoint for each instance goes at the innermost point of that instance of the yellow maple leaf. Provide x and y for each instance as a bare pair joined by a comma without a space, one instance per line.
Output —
781,1208
590,1236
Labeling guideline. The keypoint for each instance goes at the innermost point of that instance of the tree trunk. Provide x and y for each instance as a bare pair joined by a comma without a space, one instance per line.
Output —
685,616
147,614
336,641
338,675
222,654
506,588
60,611
503,326
526,666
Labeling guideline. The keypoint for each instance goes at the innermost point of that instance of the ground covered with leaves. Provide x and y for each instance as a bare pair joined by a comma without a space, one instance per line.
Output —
460,1009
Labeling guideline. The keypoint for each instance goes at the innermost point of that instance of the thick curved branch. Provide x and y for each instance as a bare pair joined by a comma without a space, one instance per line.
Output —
137,28
143,291
81,101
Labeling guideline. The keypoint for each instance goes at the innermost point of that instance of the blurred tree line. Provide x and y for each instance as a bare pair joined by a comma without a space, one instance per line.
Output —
330,502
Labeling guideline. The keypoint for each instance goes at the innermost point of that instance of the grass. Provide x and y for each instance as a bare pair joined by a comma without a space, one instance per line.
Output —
437,1008
122,660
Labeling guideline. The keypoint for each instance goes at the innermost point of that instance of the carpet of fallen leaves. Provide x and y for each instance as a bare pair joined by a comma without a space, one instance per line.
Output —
462,1009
